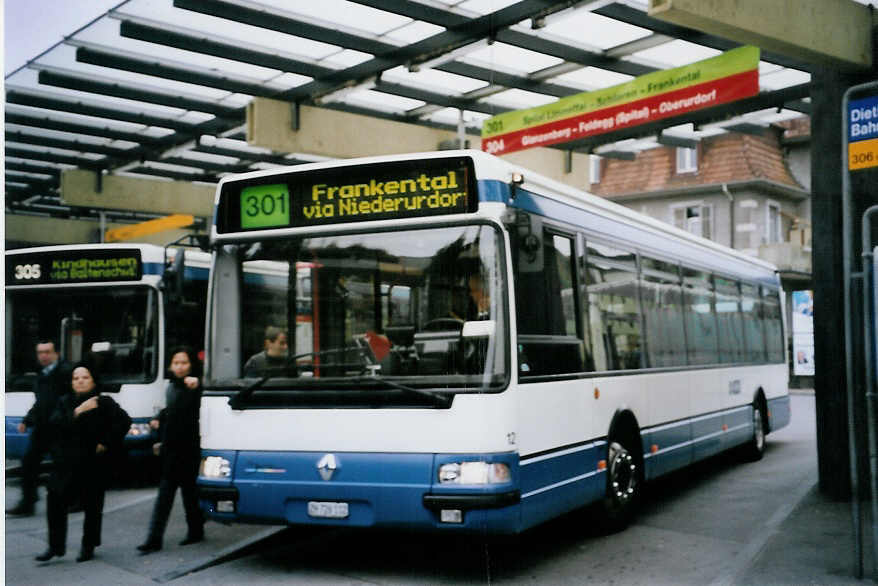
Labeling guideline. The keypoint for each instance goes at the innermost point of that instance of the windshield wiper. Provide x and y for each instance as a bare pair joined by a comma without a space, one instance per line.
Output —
443,401
240,399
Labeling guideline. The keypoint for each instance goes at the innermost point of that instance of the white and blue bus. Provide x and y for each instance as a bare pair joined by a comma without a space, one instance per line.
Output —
476,348
121,305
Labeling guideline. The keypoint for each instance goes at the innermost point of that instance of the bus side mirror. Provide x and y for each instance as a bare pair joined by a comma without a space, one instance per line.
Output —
172,278
529,228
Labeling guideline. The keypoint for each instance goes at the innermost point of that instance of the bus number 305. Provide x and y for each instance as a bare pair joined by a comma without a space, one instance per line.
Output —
24,272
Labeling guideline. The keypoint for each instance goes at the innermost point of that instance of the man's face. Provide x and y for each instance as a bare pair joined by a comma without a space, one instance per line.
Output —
278,347
46,354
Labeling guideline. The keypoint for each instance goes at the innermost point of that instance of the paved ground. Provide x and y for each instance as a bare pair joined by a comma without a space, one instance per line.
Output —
720,522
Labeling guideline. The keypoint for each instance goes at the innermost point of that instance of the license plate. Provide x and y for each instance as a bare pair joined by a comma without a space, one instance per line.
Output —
325,510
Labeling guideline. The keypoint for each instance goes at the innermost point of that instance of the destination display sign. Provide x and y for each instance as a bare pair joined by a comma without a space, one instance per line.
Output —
725,78
360,193
74,266
862,133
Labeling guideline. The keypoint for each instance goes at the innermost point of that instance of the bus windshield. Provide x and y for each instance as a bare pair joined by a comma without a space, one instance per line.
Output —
116,327
422,306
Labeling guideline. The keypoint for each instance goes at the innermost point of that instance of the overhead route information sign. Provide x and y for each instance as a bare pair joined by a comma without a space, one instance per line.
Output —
725,78
863,133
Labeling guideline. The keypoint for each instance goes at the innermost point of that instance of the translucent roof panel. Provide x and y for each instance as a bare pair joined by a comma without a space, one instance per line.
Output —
434,80
675,53
342,14
519,99
592,78
483,6
511,58
582,26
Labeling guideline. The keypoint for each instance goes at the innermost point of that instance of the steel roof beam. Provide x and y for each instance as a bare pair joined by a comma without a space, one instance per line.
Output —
245,155
206,166
73,145
176,175
73,128
492,76
32,181
227,49
31,168
157,68
84,83
53,157
35,100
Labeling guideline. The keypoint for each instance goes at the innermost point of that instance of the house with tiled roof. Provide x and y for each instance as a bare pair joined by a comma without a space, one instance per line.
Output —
748,190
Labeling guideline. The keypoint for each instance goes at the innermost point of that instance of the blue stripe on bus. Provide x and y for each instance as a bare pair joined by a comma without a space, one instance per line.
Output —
680,443
16,443
555,483
779,412
189,273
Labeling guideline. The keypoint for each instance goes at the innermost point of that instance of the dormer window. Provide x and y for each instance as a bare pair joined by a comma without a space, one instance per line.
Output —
687,160
594,168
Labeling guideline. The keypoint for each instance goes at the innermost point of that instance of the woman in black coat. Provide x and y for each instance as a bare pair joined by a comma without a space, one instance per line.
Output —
180,448
86,429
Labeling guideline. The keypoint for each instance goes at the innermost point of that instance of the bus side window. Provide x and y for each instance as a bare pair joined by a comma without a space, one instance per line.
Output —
729,321
751,312
548,339
699,318
661,296
613,308
774,339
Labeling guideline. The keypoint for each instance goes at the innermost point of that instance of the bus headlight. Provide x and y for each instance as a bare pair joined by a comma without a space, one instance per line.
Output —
215,467
474,473
139,429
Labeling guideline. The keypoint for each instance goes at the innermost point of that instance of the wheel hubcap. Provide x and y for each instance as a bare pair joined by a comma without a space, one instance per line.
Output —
758,431
623,474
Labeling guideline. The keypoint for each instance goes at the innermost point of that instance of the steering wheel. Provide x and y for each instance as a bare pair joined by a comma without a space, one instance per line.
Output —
443,323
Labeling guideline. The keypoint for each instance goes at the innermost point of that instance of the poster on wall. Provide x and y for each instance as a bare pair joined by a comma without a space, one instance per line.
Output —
803,333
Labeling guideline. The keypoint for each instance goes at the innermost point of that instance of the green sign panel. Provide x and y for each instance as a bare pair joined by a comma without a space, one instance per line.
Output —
265,206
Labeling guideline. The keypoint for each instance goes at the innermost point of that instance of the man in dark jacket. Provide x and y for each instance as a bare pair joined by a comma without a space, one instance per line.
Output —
53,381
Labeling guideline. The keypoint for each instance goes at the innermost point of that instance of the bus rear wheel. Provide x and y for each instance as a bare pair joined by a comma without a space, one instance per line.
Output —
754,449
624,484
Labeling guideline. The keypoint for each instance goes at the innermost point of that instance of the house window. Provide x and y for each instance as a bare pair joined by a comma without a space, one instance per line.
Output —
696,218
594,168
687,160
772,228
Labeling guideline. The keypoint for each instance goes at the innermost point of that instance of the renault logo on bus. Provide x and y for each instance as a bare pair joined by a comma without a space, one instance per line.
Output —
327,466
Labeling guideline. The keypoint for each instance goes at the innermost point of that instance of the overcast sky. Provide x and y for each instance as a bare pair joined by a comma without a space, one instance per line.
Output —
32,26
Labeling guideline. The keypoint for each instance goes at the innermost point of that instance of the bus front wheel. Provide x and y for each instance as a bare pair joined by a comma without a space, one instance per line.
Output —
624,483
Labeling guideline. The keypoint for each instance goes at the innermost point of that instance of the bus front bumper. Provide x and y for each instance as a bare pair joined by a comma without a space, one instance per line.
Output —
362,490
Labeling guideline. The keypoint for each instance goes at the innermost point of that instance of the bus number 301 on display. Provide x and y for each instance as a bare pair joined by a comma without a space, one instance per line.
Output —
447,341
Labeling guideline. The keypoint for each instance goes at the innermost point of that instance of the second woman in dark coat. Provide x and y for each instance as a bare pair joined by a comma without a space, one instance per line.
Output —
180,449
